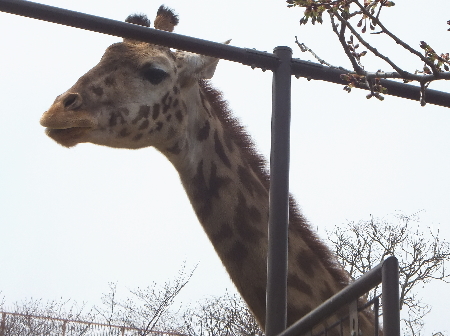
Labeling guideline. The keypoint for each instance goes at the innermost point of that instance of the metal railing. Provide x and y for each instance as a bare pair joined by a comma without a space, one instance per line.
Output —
18,324
283,66
385,273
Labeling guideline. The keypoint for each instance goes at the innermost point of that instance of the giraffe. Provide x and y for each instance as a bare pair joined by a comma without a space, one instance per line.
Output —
142,95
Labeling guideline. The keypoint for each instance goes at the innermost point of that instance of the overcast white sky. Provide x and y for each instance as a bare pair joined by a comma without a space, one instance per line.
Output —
72,220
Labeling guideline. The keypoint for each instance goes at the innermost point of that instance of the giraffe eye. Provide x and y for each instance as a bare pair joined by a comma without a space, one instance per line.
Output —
153,75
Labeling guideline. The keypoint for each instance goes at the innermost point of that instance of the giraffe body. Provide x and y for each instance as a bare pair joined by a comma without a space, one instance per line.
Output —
142,95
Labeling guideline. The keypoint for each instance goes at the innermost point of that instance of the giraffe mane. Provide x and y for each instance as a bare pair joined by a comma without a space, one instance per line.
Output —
257,162
166,19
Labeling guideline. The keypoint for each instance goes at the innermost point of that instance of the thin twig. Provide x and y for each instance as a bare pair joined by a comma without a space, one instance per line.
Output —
395,38
305,48
341,37
404,73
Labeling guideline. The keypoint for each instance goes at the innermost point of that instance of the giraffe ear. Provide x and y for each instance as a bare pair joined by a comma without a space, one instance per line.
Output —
199,66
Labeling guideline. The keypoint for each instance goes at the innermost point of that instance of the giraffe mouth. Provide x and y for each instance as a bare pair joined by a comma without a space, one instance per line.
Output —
67,137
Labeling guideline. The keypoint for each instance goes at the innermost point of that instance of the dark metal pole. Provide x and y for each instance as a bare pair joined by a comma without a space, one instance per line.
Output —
376,312
390,297
277,266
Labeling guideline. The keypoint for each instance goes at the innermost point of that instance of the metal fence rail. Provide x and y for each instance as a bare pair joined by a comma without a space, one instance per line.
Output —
18,324
385,273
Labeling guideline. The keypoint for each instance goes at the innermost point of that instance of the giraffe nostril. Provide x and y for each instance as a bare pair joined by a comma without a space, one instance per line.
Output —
72,101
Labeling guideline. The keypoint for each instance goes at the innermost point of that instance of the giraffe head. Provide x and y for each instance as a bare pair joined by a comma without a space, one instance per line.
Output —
137,96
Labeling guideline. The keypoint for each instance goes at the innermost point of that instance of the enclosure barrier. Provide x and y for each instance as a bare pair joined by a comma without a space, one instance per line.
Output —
385,273
26,324
283,67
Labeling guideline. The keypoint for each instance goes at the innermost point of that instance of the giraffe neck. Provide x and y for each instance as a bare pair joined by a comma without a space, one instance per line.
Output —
227,195
229,190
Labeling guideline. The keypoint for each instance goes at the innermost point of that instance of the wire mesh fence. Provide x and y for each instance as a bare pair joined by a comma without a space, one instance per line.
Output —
17,324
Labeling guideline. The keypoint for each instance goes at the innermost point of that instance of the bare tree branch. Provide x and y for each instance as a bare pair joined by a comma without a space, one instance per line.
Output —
360,246
436,67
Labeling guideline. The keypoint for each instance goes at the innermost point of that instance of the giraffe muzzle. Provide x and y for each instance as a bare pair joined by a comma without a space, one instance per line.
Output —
66,121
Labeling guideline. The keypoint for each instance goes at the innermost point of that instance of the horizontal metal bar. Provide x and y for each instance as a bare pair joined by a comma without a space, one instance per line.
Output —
346,317
127,30
245,56
344,297
317,71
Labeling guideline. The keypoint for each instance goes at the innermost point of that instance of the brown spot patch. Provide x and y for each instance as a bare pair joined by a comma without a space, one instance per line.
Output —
244,220
159,125
205,192
203,133
143,113
225,232
203,99
333,332
306,260
220,150
137,137
295,313
175,103
229,143
144,125
171,133
116,116
110,81
166,102
124,132
250,182
176,90
295,282
168,117
175,149
237,255
155,112
326,292
260,293
98,91
179,115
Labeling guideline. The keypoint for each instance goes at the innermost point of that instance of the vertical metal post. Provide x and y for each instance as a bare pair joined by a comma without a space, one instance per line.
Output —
353,318
390,298
376,312
3,325
276,298
64,328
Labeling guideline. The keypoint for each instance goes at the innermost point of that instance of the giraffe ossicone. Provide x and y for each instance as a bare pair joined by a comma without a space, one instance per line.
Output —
142,95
